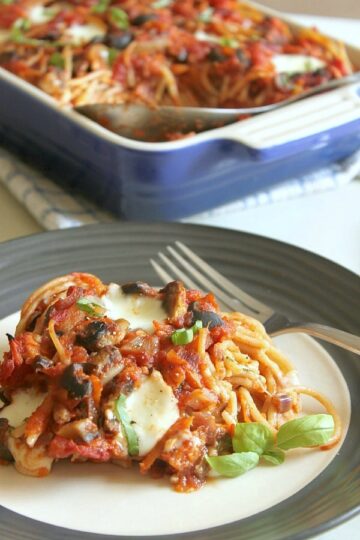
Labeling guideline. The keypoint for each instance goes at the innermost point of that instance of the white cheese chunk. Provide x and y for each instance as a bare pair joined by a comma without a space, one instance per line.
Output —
23,404
78,34
296,63
204,36
139,310
152,409
30,461
39,14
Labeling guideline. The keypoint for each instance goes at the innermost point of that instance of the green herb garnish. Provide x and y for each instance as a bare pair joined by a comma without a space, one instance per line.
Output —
253,441
130,433
101,6
21,24
312,430
183,336
274,456
17,33
6,2
90,305
252,437
233,464
119,18
57,60
112,55
228,42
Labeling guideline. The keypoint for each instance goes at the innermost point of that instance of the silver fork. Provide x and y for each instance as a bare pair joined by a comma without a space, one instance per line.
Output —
231,297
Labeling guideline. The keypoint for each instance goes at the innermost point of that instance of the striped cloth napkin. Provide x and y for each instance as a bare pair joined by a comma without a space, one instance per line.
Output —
56,208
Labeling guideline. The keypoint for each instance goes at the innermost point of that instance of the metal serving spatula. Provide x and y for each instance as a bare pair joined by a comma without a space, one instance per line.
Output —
140,122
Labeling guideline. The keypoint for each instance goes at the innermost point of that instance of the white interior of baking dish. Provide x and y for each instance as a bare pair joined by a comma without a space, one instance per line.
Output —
316,114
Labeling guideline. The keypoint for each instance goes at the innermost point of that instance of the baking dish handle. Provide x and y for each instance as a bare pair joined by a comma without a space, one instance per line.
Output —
311,121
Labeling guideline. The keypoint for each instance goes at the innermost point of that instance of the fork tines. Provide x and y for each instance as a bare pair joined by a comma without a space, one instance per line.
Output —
182,263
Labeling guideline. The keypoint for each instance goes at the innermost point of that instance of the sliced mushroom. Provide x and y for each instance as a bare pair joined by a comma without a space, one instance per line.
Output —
79,431
110,422
107,363
61,414
98,334
138,287
209,319
174,299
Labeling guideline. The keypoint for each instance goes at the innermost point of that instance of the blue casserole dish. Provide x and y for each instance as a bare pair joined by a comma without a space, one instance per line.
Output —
172,180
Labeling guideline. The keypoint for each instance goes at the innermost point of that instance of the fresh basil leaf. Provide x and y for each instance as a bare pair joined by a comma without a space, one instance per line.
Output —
252,437
233,464
130,433
275,456
101,6
312,430
6,2
90,304
119,18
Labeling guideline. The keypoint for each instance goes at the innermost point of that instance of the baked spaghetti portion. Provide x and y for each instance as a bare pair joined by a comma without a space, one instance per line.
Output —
207,53
160,377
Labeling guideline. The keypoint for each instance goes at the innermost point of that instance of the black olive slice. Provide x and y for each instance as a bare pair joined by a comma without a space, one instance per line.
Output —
209,319
119,41
42,363
215,55
143,18
73,382
93,332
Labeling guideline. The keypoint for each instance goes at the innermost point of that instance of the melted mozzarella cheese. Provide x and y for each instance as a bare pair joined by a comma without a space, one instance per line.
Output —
79,34
204,36
30,461
39,14
152,409
23,404
296,63
139,310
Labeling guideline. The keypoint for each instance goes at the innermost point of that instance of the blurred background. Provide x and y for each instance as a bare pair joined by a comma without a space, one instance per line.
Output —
330,8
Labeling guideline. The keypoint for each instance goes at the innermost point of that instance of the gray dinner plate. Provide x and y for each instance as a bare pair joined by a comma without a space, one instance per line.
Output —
296,282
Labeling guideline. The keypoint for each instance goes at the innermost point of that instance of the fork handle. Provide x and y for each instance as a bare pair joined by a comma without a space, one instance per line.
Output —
332,335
